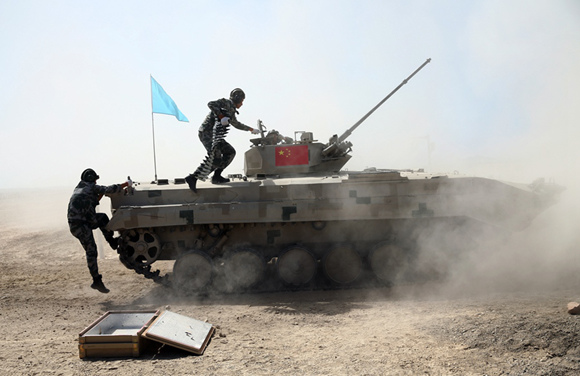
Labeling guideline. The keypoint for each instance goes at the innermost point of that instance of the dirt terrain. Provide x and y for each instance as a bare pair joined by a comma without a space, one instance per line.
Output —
504,318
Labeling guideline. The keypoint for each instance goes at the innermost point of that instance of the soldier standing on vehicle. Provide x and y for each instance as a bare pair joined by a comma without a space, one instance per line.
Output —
212,135
83,219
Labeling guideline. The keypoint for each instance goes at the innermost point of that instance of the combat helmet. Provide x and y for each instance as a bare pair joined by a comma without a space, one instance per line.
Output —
89,175
237,95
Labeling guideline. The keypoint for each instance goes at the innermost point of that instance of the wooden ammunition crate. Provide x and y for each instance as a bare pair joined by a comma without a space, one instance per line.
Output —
116,334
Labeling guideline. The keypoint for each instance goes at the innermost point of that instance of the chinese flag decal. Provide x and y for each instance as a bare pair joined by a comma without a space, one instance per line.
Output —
291,155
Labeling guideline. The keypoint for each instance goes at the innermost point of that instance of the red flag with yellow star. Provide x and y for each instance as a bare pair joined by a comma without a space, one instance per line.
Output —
291,155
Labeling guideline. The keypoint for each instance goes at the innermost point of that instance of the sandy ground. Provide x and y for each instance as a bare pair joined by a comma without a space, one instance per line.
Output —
461,327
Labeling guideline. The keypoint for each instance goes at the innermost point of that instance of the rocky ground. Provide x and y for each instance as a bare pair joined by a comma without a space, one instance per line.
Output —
464,326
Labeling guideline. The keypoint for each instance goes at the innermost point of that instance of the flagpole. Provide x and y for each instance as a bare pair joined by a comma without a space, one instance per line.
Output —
153,127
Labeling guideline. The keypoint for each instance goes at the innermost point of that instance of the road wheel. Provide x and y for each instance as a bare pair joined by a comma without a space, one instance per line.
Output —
388,262
243,269
192,271
296,266
342,264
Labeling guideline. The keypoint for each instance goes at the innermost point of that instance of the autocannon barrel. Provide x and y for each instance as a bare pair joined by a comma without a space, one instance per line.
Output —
351,129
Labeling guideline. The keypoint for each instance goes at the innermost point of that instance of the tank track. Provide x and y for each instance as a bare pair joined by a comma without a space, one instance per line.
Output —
218,134
219,243
271,285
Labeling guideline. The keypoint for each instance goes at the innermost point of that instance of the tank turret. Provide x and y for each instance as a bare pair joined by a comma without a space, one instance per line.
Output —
293,157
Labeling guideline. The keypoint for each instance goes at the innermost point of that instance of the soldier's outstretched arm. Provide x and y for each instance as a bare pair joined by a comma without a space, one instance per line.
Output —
105,190
240,125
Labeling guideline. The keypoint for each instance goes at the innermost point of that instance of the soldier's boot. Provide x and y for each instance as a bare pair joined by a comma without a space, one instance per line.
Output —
218,178
191,181
113,242
99,285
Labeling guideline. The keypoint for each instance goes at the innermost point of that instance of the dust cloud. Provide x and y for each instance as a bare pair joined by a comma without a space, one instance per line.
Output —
545,256
542,257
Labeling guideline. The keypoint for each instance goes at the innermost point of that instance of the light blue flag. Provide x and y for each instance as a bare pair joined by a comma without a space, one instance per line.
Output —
162,103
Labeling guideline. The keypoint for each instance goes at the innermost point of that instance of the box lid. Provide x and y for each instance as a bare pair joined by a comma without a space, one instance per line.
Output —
180,331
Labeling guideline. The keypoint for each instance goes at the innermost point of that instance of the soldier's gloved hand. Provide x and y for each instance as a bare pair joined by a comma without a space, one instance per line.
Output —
255,131
225,120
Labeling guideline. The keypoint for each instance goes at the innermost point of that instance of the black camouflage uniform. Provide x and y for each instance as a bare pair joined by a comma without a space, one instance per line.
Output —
222,154
83,219
225,152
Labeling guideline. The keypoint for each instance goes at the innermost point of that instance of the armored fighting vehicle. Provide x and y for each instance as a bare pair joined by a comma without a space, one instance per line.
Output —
297,220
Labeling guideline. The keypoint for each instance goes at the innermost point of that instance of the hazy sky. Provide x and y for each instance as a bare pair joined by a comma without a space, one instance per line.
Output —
500,97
